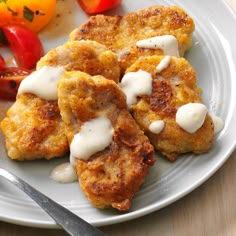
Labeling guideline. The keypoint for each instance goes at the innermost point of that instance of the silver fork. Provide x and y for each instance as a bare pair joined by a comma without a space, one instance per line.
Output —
71,223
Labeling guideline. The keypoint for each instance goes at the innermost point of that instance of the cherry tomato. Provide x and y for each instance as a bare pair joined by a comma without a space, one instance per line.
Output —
25,44
2,62
32,14
96,6
10,79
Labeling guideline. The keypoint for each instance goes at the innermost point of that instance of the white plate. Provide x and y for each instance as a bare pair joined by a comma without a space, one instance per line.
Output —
211,55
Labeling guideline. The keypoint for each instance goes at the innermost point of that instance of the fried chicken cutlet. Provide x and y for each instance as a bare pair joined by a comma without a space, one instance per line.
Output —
173,85
121,33
84,55
33,127
114,174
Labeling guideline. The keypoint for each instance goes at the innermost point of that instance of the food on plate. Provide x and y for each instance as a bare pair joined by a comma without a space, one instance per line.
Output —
84,55
92,7
33,127
75,102
10,79
25,44
27,50
34,15
122,33
109,151
163,96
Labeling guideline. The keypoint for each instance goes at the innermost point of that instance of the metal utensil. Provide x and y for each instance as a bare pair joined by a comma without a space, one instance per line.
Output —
71,223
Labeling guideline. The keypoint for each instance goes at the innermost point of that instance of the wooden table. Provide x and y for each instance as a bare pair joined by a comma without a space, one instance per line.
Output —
210,210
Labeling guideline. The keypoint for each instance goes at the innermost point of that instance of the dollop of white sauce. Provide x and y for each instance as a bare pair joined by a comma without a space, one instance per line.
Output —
191,116
156,126
163,64
42,82
135,84
95,135
64,173
218,123
167,43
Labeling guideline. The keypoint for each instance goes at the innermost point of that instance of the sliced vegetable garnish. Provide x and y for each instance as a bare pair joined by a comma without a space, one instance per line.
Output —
32,14
10,79
96,6
25,44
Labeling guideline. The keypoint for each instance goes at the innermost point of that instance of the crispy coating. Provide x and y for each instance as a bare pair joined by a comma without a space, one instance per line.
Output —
174,86
120,33
113,176
84,55
33,127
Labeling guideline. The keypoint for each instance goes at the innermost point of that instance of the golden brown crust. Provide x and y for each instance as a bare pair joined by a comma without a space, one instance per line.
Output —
173,87
120,33
113,176
85,55
34,129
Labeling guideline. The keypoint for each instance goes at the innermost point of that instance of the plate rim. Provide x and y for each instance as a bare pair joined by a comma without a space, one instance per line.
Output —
151,208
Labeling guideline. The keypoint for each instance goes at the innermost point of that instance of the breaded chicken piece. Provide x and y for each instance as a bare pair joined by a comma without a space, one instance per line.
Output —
120,33
172,87
110,177
84,55
33,127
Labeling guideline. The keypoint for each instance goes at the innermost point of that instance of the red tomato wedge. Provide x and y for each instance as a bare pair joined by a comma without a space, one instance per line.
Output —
2,62
26,46
96,6
10,79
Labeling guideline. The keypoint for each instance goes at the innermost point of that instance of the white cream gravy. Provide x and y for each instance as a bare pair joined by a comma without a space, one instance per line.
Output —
164,63
156,126
95,135
64,173
218,123
191,116
42,82
135,84
167,43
